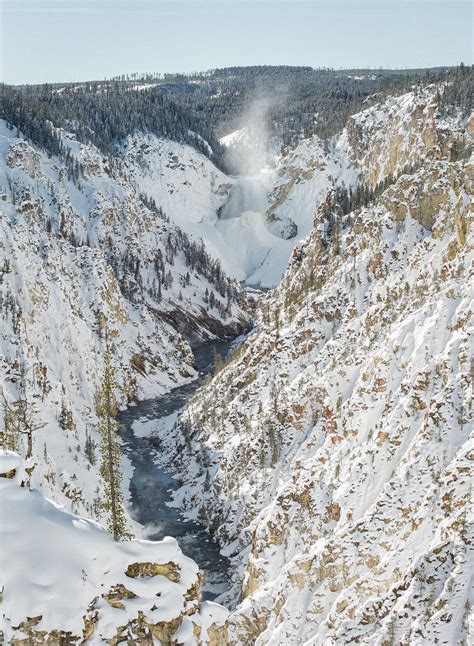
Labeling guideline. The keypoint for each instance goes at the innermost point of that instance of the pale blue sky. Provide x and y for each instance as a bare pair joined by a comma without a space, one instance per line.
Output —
69,40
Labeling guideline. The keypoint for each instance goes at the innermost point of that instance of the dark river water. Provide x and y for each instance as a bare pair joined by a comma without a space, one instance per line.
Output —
151,487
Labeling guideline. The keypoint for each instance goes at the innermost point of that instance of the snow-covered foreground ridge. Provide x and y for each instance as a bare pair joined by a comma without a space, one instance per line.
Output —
335,463
65,581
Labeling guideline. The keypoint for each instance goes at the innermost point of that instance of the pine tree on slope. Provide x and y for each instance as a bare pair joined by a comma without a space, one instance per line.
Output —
110,468
19,419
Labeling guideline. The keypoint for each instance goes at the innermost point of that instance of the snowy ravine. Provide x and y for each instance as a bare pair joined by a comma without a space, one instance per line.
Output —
251,223
82,256
151,486
79,257
332,455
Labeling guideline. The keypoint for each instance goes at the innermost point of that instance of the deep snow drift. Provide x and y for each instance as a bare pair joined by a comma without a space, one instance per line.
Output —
68,575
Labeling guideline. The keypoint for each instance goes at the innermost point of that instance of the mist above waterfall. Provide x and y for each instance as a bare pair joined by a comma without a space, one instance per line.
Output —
248,147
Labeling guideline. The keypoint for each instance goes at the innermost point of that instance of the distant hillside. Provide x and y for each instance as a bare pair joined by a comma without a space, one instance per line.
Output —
200,108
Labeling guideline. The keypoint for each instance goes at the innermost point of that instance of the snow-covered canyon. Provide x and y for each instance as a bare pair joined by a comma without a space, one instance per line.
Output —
330,456
79,257
251,223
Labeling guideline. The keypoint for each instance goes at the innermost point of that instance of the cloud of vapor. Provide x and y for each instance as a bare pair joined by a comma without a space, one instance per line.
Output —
152,529
248,148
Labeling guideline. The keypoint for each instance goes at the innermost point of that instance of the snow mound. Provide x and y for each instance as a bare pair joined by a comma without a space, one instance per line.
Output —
68,574
240,136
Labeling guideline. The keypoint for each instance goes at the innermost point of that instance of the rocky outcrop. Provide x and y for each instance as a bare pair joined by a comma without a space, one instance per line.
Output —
402,133
169,570
376,146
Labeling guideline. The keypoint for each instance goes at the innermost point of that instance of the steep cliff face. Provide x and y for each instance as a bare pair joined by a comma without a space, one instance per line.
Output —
81,256
304,177
253,222
402,133
184,182
375,148
332,453
139,592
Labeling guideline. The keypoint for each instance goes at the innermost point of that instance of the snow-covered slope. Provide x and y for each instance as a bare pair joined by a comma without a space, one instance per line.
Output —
80,253
241,218
65,580
332,455
227,213
253,222
185,183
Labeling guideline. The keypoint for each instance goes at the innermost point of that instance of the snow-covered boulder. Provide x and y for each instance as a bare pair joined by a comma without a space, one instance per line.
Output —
11,465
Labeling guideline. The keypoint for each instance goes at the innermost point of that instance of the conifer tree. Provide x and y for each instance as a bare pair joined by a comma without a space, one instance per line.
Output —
110,468
9,435
19,419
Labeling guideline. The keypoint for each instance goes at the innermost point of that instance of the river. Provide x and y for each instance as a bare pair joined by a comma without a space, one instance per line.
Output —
151,487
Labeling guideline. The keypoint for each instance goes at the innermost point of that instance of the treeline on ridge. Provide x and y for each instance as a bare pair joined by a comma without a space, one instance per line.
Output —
199,108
